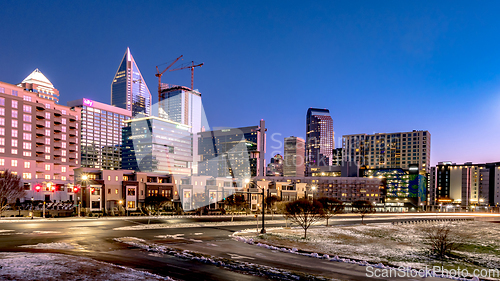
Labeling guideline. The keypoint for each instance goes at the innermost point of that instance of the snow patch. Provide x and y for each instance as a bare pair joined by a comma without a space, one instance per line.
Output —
51,246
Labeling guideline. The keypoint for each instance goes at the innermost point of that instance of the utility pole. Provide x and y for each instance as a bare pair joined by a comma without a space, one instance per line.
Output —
263,230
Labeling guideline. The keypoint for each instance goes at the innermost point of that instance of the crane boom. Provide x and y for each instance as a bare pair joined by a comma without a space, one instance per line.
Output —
192,66
159,74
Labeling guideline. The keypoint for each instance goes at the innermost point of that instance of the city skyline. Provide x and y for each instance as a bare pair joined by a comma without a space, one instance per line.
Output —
401,69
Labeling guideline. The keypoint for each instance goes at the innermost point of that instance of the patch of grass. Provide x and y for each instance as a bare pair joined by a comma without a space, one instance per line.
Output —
480,249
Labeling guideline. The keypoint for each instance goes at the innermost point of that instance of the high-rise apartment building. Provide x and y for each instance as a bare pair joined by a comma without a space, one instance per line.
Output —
294,157
319,137
39,140
37,83
101,133
389,150
128,89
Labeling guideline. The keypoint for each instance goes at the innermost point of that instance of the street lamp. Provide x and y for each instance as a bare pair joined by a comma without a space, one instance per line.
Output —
84,185
32,199
120,202
313,190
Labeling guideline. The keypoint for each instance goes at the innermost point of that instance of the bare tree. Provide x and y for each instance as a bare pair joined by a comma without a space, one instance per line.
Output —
304,213
156,203
270,204
363,208
11,188
331,207
441,240
235,202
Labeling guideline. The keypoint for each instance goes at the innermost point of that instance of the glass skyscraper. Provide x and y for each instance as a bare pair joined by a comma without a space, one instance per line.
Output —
320,137
229,152
128,89
153,144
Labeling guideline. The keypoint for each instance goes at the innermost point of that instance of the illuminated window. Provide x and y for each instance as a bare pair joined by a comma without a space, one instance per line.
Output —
13,163
26,165
47,167
131,204
47,177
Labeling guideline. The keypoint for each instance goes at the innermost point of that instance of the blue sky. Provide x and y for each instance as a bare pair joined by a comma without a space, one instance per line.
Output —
379,66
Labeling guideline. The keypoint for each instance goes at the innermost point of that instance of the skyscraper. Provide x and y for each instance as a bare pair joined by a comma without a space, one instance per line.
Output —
153,144
182,105
319,137
294,157
128,89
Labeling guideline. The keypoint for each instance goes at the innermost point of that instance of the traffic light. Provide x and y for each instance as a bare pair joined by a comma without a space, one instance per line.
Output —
38,187
75,189
53,188
92,190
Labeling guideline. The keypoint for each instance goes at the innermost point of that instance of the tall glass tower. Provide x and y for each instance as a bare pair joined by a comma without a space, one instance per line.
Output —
128,89
320,137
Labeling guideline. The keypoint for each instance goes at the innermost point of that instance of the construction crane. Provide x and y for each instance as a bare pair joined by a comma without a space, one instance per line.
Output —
159,74
192,66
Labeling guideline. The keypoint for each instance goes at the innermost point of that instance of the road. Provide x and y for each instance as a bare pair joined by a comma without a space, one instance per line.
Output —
94,238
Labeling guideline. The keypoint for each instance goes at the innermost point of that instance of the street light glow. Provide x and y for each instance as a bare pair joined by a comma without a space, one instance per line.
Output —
85,177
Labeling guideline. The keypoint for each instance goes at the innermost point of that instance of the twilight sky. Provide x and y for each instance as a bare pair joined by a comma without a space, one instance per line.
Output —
378,66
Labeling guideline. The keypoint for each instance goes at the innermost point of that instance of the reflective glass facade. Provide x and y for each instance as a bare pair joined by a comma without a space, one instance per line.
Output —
153,144
319,137
128,89
228,152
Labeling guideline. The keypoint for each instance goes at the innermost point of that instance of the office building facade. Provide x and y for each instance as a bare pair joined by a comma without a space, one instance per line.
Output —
389,150
319,137
235,153
294,164
129,90
275,168
465,185
101,133
182,105
39,140
403,188
152,144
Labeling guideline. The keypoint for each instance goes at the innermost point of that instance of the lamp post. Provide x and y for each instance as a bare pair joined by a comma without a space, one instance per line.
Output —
263,230
32,199
120,202
313,190
84,185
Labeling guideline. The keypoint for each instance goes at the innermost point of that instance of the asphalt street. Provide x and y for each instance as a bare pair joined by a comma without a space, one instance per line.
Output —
94,238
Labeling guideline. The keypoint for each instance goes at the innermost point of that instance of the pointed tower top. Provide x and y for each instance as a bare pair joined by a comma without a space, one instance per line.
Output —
37,77
129,55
